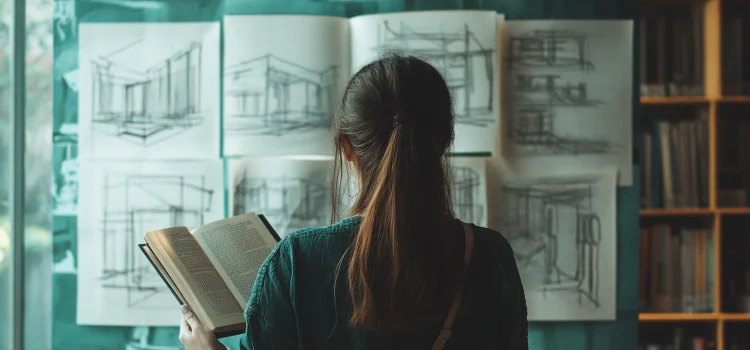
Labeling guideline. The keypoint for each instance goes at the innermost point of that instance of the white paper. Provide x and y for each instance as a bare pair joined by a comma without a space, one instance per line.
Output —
119,204
283,77
563,232
292,194
569,103
149,91
462,45
469,190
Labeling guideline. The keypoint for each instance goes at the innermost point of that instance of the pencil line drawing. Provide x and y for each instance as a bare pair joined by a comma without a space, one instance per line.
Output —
539,107
268,95
65,186
289,203
146,105
133,205
466,64
542,100
551,49
556,234
467,203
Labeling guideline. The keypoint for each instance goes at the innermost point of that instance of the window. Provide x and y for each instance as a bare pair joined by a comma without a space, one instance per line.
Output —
5,152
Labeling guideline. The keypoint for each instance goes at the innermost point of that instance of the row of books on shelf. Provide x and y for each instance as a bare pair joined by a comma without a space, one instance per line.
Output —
675,164
672,55
676,270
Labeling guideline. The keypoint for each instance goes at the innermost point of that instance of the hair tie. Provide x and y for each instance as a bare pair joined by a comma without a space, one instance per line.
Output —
397,119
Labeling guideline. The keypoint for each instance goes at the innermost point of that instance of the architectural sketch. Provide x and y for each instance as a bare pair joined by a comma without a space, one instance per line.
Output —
540,97
555,231
268,95
146,105
536,116
289,203
65,180
468,202
550,49
466,64
134,205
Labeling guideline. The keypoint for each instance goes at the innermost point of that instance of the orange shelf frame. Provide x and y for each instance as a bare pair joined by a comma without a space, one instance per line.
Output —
680,317
674,100
676,212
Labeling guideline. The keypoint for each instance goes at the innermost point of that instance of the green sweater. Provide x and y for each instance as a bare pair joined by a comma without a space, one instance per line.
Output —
292,304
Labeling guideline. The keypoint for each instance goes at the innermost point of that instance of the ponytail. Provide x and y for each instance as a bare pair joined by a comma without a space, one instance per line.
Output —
399,271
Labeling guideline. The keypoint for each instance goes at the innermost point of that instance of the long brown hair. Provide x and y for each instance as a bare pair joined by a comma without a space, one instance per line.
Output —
396,117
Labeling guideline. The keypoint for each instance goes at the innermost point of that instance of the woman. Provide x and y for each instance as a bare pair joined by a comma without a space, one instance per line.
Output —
388,276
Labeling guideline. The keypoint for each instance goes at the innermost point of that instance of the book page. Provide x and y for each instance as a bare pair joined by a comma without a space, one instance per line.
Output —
462,45
163,272
197,271
283,77
238,246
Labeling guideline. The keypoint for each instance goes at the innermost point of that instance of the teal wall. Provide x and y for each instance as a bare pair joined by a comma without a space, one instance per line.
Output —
621,334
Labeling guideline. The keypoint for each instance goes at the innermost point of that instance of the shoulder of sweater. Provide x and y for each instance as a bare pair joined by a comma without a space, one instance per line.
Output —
342,226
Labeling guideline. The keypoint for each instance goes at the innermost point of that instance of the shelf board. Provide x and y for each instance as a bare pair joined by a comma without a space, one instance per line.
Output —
658,317
734,211
734,99
674,100
735,316
676,211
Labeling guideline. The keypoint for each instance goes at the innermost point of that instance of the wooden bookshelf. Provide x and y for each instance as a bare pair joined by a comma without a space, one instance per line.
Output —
712,74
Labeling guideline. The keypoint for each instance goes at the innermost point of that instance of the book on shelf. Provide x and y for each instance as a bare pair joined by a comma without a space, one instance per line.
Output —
733,158
735,53
671,54
212,268
675,170
676,270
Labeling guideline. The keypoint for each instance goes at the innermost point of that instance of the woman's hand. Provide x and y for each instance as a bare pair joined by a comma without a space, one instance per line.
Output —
194,335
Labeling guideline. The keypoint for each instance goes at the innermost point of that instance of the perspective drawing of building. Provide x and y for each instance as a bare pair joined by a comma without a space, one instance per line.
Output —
268,95
146,105
556,234
134,205
466,64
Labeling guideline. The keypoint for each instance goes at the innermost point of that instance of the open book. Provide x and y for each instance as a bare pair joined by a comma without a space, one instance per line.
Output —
212,269
284,74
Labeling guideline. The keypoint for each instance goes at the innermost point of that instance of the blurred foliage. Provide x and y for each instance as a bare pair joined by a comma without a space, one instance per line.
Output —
38,108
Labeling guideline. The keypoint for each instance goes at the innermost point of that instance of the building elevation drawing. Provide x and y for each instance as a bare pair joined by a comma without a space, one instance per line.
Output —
466,64
289,203
555,234
468,204
146,105
542,97
268,95
134,205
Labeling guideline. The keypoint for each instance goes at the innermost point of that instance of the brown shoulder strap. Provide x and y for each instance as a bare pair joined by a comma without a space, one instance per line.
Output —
445,333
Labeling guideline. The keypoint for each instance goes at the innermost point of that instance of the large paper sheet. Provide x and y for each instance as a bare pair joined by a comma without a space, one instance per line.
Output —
120,202
469,190
569,101
292,194
149,91
462,45
283,77
563,232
